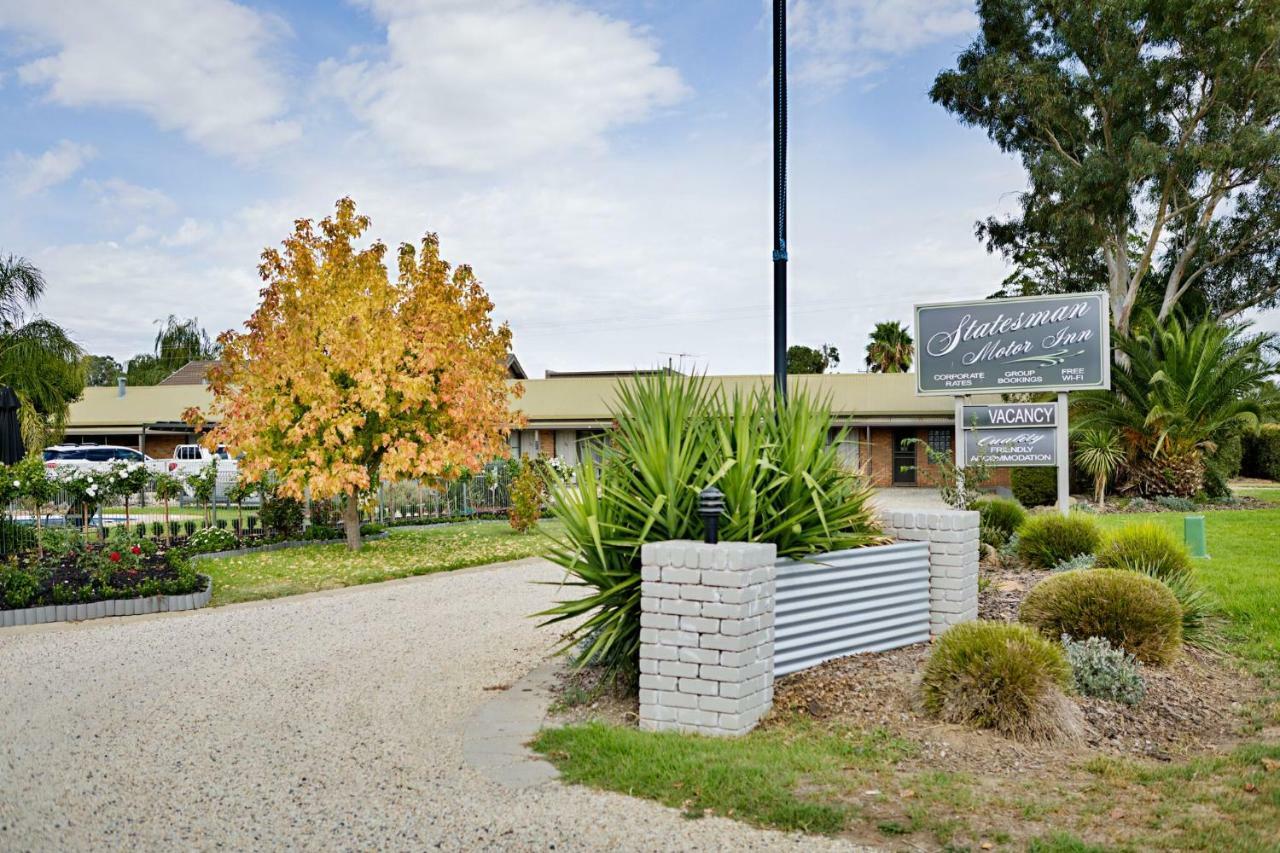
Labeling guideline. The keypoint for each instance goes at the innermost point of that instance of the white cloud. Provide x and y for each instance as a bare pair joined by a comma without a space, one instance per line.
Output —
478,86
32,175
841,40
121,196
200,67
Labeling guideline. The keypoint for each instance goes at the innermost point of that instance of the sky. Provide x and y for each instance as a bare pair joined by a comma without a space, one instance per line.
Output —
604,165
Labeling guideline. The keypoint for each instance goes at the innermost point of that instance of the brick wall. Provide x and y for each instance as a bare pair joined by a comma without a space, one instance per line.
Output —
706,636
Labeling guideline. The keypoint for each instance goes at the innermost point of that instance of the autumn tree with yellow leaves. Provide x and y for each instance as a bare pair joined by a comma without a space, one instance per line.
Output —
344,377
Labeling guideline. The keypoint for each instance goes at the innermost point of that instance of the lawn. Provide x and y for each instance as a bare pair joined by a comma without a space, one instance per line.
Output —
795,774
403,553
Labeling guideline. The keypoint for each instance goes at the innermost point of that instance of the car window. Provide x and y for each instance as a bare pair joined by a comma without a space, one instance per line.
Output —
99,454
126,454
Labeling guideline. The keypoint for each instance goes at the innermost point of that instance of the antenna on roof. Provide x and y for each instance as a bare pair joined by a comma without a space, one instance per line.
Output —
680,355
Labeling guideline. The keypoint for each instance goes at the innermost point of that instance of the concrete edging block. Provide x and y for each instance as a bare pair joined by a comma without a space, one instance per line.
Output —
110,607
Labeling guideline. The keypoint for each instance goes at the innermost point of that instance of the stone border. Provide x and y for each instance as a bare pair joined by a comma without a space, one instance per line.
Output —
495,737
278,546
110,607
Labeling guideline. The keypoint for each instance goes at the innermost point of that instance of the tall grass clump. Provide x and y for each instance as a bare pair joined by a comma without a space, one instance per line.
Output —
781,475
1046,540
1132,611
996,675
998,519
1148,547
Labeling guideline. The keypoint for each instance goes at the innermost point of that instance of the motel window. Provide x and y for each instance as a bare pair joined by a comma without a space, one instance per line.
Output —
940,439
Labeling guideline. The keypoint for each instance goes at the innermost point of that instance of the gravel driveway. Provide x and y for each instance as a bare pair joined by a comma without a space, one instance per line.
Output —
327,721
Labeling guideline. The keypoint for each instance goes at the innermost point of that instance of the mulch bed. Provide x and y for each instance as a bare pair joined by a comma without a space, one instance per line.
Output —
1114,507
1193,705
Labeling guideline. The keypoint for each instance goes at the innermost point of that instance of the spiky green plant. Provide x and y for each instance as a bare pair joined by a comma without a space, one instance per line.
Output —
1099,452
781,476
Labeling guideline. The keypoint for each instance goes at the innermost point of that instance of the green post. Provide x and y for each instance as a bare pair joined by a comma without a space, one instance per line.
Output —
1193,535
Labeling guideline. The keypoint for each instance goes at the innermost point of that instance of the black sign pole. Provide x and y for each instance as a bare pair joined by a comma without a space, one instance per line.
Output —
962,451
780,197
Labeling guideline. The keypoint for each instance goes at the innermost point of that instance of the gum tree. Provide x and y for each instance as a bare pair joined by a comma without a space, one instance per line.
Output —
1150,133
345,377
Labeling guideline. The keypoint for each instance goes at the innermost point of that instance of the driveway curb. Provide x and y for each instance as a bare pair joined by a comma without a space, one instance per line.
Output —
494,738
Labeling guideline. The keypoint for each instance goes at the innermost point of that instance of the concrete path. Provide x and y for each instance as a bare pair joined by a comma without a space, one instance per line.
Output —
326,721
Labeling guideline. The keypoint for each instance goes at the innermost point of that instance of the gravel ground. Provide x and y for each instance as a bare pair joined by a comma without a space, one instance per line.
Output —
326,721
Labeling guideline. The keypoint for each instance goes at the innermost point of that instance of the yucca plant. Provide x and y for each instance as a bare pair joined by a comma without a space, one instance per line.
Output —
1099,453
781,476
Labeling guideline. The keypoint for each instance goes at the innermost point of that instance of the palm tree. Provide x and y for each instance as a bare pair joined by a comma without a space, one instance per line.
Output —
1178,387
890,348
37,359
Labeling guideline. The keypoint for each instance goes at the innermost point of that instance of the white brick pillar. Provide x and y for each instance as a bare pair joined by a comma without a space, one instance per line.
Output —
706,636
953,560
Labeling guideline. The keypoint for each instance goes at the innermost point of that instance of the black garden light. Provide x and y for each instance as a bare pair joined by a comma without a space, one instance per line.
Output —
711,507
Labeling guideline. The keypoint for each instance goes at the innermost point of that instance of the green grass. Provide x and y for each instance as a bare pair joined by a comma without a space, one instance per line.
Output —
757,778
403,553
1243,572
797,775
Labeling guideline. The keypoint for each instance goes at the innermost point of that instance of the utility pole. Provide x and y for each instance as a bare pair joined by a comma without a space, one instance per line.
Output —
780,197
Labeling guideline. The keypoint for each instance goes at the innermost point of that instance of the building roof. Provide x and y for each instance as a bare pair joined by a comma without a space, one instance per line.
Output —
140,406
514,369
864,398
191,373
577,401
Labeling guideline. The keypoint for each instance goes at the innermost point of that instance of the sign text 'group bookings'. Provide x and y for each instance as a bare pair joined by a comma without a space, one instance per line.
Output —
1041,343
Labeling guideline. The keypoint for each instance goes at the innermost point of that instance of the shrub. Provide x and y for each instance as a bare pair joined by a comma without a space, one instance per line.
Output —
1132,611
1079,561
1034,486
1104,672
325,513
1176,503
174,528
157,529
370,529
527,493
221,524
321,532
1046,540
210,539
281,515
1262,454
998,519
251,522
1225,463
1146,546
1201,612
994,675
19,585
140,530
190,527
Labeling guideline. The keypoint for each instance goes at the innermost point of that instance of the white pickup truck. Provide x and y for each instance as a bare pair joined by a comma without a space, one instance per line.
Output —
190,459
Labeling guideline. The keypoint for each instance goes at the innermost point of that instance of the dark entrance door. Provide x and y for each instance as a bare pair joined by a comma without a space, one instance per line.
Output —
904,458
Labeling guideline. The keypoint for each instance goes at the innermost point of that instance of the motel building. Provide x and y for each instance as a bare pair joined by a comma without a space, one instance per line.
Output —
565,413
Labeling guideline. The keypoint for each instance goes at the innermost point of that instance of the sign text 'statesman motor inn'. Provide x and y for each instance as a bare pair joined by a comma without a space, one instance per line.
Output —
1042,343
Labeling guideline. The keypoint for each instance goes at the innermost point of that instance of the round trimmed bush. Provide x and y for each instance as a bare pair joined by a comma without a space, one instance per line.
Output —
1132,611
1034,486
1147,547
998,519
1044,541
996,675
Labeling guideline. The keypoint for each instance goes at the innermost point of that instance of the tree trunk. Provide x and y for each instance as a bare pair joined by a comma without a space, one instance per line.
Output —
351,519
168,536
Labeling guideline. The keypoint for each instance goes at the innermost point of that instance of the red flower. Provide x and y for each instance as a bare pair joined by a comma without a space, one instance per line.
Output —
135,550
115,556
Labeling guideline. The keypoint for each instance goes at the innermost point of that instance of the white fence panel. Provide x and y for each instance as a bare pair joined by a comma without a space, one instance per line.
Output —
845,602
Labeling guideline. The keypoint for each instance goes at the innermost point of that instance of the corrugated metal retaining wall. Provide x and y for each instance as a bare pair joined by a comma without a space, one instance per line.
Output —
863,600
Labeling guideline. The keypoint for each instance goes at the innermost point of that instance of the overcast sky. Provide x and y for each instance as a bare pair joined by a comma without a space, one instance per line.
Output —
603,164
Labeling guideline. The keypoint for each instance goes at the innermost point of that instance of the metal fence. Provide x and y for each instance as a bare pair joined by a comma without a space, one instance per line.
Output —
485,494
845,602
